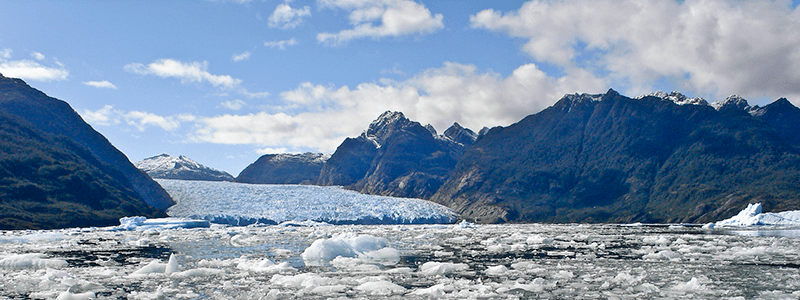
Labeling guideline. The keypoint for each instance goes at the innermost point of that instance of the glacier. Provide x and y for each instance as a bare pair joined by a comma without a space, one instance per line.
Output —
242,204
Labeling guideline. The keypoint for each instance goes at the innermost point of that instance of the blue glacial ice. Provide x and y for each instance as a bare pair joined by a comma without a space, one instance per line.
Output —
246,204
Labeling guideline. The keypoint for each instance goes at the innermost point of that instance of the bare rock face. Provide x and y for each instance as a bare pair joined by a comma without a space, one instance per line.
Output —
56,171
284,169
610,158
397,157
165,166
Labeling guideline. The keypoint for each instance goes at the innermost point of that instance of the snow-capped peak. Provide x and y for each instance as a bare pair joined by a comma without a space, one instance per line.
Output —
181,167
676,97
732,102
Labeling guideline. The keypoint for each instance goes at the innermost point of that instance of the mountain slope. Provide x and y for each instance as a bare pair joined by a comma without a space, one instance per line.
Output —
284,169
610,158
164,166
396,157
56,117
48,181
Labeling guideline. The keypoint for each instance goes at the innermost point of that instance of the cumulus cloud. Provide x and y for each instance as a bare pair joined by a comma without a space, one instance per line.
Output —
108,116
191,72
233,104
378,19
439,96
241,56
31,70
718,47
281,44
101,84
286,17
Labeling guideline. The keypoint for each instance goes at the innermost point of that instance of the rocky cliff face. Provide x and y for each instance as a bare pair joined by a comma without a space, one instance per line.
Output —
610,158
397,157
56,171
165,166
284,169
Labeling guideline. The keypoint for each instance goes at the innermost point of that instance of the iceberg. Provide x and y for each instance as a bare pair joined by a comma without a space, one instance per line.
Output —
752,216
142,223
242,204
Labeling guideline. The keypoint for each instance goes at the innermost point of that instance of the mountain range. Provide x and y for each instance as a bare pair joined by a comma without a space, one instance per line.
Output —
655,158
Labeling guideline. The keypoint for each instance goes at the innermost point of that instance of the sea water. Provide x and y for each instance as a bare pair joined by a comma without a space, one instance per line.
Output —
456,261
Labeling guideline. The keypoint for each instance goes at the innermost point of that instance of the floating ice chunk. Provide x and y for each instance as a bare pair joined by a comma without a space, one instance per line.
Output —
76,296
662,255
441,268
465,224
752,215
265,266
30,261
172,265
199,272
306,223
539,240
142,223
500,270
304,280
33,238
365,247
382,288
152,268
436,291
693,286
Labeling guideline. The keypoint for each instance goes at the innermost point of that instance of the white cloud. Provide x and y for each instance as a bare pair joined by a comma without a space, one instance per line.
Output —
31,70
378,19
191,72
101,84
750,48
5,53
233,104
37,56
108,116
439,96
281,44
286,17
241,56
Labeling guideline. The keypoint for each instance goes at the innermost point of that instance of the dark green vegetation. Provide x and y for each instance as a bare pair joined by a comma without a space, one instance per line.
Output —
56,171
609,158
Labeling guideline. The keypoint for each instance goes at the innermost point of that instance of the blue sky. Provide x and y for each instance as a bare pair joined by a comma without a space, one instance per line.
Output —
224,82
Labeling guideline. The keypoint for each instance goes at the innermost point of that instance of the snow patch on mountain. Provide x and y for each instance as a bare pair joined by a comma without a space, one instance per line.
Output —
165,166
677,97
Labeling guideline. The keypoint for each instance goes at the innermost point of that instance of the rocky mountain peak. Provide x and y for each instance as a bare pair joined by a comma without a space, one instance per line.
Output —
385,124
677,97
460,135
733,102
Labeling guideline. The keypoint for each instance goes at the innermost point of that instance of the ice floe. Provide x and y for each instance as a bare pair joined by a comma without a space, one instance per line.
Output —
752,216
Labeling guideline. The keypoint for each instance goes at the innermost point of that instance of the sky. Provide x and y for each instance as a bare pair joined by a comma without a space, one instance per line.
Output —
224,82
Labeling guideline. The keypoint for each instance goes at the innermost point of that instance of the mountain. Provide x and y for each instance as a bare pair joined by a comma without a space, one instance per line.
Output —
396,157
284,169
165,166
56,171
609,158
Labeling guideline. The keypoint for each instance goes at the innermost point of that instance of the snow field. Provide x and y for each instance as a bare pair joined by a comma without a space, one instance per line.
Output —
376,262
